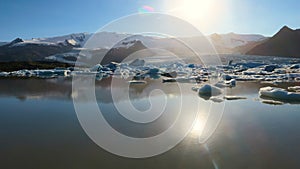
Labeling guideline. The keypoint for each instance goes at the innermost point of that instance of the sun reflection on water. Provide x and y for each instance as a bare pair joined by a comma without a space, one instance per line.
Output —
198,126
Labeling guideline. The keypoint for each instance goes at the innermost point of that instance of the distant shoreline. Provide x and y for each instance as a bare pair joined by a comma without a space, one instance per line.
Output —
14,66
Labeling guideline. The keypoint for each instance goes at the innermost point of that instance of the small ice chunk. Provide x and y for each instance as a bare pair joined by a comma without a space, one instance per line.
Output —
226,77
137,82
96,68
44,72
229,83
280,71
232,82
180,80
279,93
169,80
294,88
270,68
295,66
172,74
234,97
272,102
153,71
195,89
3,74
216,99
112,66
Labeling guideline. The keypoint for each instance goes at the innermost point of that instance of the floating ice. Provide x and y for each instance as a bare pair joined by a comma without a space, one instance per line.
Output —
153,71
169,80
234,97
216,99
228,83
180,80
226,77
272,102
294,88
246,68
270,68
137,82
3,74
209,90
44,72
172,74
295,66
112,66
279,93
96,68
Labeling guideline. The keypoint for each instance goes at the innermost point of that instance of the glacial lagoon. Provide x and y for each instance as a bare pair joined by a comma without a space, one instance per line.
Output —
39,126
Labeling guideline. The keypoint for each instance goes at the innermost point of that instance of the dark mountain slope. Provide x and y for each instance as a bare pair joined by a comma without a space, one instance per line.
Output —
284,43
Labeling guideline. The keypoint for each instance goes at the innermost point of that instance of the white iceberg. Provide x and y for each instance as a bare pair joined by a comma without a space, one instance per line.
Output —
294,88
137,82
279,93
227,83
3,74
216,99
272,102
234,97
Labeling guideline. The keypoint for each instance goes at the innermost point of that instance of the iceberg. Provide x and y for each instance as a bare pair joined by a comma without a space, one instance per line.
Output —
172,74
270,68
229,83
112,66
226,77
279,93
3,74
295,66
96,68
44,73
153,71
209,90
179,80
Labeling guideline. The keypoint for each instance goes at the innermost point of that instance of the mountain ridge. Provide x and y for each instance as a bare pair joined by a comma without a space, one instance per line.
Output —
284,43
67,48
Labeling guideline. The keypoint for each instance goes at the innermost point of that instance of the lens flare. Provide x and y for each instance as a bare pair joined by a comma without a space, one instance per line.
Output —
146,9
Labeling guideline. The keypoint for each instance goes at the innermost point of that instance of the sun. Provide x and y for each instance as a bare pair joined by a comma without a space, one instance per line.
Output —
197,12
191,9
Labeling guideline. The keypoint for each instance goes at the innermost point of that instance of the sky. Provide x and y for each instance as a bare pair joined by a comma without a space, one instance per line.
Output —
45,18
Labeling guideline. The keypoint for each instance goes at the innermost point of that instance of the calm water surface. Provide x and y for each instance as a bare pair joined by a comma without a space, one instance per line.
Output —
40,129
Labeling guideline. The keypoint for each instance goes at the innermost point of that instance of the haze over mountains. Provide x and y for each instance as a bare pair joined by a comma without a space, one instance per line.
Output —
69,48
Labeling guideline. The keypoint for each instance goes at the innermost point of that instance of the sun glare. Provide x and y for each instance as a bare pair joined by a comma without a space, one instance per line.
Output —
199,12
198,126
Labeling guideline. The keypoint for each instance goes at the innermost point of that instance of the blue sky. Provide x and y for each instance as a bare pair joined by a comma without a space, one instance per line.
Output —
43,18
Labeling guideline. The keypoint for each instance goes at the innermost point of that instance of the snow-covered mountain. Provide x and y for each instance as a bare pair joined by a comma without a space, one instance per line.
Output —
67,48
232,40
110,39
77,39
